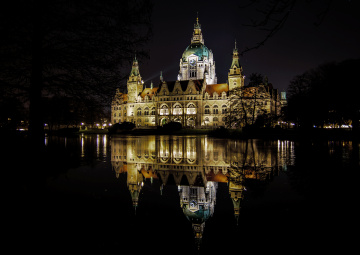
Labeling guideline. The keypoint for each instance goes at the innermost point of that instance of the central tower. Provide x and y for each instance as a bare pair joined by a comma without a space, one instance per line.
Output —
197,61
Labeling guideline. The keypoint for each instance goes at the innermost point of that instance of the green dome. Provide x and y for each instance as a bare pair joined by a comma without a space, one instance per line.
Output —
198,216
197,49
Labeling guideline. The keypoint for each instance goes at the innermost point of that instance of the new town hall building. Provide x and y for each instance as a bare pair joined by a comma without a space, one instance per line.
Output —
195,99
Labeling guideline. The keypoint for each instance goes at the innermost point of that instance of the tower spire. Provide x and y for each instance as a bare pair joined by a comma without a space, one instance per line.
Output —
235,59
235,76
135,67
197,35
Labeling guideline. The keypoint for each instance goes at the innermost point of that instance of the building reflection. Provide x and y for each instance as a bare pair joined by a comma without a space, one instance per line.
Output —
196,165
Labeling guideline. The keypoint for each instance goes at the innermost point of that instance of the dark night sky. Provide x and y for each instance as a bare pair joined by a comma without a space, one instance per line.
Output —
297,47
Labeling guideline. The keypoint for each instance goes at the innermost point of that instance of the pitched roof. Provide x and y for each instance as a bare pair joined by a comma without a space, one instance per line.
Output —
148,92
218,88
121,96
219,177
198,84
184,84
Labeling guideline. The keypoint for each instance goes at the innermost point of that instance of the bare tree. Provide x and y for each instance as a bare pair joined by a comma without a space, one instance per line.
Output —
74,48
245,105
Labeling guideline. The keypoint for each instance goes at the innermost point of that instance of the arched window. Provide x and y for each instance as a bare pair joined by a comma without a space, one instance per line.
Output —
191,109
224,109
139,111
215,109
177,110
207,109
146,111
153,111
164,110
192,70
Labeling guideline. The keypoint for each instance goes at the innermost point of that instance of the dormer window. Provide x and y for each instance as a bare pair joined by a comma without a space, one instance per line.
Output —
215,95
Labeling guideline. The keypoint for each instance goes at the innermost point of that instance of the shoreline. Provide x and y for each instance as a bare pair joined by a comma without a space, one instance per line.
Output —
245,133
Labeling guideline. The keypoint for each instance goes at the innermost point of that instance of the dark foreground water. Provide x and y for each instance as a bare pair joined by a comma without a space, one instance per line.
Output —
92,194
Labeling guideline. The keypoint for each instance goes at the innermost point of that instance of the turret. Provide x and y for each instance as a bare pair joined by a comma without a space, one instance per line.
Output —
235,76
197,35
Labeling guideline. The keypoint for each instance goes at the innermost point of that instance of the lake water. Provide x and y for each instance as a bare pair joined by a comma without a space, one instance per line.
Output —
187,195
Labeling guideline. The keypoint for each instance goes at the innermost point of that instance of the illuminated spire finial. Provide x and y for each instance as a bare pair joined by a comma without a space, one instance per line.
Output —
235,60
135,67
197,35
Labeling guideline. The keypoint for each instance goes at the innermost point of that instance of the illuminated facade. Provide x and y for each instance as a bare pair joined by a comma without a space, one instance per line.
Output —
195,99
195,165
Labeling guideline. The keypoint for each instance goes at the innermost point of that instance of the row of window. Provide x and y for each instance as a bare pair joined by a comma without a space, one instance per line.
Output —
214,119
176,98
207,96
215,109
176,106
178,111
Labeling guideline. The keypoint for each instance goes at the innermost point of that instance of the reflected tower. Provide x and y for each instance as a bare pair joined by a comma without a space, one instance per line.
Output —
195,165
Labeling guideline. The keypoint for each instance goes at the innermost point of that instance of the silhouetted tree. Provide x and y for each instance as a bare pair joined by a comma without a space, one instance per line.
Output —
245,105
69,112
73,48
325,94
256,79
237,115
12,113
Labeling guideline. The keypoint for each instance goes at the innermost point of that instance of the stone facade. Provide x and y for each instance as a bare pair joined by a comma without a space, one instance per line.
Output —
195,99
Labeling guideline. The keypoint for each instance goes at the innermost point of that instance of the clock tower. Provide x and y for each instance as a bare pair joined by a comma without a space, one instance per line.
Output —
135,83
235,76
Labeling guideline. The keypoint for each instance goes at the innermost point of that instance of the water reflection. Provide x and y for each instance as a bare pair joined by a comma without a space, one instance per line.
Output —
196,165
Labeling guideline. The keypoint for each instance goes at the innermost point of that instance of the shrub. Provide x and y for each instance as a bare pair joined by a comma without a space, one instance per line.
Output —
172,126
124,126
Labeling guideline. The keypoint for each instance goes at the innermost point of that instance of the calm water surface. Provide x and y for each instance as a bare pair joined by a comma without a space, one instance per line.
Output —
191,195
